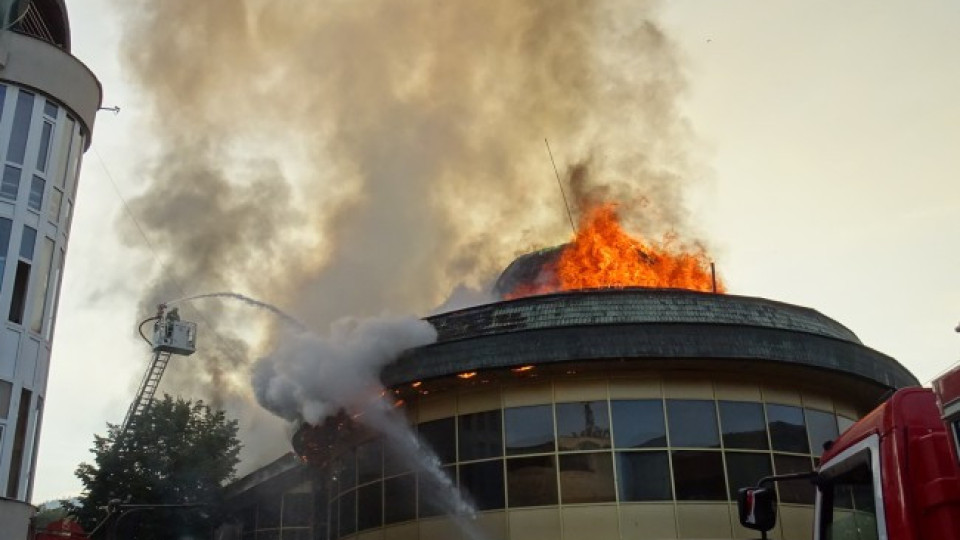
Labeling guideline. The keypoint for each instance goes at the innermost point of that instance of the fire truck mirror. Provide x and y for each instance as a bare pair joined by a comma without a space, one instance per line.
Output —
758,508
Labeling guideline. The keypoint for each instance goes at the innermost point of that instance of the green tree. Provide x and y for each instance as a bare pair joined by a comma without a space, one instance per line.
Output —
176,452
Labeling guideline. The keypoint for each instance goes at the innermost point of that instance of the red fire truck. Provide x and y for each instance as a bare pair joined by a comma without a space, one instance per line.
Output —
894,475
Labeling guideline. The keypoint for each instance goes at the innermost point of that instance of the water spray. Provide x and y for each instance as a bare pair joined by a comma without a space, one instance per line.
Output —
282,315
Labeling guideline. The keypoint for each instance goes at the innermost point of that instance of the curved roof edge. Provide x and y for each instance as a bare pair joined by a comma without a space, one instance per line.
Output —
37,64
639,343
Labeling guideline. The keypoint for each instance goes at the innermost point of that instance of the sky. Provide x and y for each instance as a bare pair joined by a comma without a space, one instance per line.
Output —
827,134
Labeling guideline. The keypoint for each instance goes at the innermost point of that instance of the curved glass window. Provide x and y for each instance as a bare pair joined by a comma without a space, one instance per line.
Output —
432,499
400,493
583,426
529,430
787,430
587,478
644,476
745,469
369,461
369,506
541,455
797,491
698,475
440,436
693,423
348,513
743,425
481,435
483,483
638,423
532,481
822,427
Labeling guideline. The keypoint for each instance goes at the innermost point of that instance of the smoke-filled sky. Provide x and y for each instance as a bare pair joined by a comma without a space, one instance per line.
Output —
349,158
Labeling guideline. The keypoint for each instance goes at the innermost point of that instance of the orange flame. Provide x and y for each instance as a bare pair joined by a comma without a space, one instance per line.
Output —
603,255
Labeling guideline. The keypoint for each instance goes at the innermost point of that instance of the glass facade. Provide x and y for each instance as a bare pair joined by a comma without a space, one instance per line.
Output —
665,450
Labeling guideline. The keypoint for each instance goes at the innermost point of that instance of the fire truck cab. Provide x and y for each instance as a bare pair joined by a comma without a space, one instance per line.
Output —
894,475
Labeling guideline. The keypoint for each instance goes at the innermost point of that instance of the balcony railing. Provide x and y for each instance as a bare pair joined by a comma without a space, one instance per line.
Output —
31,23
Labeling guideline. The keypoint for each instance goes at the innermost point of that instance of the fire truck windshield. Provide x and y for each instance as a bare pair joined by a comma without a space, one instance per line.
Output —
848,505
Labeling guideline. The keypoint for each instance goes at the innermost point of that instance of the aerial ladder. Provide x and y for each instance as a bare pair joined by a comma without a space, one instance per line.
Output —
170,336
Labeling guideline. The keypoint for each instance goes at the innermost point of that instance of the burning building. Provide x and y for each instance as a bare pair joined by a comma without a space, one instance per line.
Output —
609,412
48,100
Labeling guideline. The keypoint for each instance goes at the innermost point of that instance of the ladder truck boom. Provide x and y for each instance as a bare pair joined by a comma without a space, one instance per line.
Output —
170,336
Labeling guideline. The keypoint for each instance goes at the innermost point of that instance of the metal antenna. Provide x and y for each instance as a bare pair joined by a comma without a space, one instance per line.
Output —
560,184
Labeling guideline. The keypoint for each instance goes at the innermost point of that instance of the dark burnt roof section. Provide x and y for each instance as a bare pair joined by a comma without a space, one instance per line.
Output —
641,325
43,19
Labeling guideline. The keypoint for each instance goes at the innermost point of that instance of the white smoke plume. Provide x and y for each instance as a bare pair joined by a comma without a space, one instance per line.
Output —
308,377
351,157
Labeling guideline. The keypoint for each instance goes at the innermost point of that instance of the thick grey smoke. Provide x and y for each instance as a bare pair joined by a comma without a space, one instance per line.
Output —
309,377
341,157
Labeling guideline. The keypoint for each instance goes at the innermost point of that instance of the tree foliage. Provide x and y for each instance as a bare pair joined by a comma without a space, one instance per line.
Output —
176,452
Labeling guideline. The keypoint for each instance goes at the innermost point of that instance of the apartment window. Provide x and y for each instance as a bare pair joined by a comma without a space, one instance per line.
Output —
5,226
44,152
63,153
6,389
3,97
19,440
35,199
58,270
22,117
73,168
27,243
56,203
50,109
18,300
10,183
38,299
36,444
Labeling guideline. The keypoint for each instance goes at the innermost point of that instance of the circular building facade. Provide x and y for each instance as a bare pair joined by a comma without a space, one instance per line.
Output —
48,102
617,413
